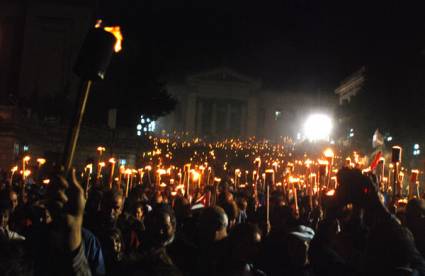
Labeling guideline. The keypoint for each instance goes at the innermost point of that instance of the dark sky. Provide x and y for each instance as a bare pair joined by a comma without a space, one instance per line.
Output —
309,44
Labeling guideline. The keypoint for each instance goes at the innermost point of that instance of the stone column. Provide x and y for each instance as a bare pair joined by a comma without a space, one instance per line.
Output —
228,114
190,114
199,109
243,121
214,118
251,117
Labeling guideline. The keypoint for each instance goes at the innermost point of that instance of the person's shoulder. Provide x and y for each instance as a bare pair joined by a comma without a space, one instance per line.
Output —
88,236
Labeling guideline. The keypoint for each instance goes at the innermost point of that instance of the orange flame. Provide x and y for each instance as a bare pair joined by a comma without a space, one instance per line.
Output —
330,193
116,31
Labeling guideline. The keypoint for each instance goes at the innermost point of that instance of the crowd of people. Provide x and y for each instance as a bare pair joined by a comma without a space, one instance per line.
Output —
60,229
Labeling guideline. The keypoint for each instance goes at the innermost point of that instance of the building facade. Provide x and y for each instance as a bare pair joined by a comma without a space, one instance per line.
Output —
351,86
39,41
224,103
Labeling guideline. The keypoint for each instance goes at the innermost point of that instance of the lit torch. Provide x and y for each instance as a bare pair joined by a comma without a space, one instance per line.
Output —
13,170
111,175
91,65
414,187
128,173
329,154
24,162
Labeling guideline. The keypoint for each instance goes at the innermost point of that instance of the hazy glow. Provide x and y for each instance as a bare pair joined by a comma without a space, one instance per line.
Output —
318,127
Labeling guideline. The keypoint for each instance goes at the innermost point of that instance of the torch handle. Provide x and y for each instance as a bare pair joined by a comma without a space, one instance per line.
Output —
267,204
74,131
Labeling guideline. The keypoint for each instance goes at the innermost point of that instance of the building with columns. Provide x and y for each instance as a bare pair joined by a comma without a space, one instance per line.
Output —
351,86
223,103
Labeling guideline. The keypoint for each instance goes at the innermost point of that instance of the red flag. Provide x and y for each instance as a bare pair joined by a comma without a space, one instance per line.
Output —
375,160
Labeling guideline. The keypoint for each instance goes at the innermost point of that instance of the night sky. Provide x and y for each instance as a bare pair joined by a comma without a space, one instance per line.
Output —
306,46
290,44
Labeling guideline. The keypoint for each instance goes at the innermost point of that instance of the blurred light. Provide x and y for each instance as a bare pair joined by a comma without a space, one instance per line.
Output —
41,161
139,133
139,127
328,153
389,138
318,127
330,193
26,148
416,146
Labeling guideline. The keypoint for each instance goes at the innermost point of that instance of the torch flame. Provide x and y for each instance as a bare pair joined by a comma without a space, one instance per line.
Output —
195,175
328,153
116,31
330,192
89,167
41,161
161,171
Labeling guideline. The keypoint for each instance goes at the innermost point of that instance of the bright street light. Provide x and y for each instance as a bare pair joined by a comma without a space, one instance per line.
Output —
318,127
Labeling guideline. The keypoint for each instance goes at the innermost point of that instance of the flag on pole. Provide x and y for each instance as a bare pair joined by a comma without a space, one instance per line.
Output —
375,160
378,139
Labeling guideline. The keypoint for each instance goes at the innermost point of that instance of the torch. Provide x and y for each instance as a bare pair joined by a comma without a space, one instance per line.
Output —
396,159
91,65
111,175
13,170
258,162
214,191
41,162
148,169
329,154
293,181
237,175
414,187
382,172
99,171
128,173
323,172
88,169
269,181
24,162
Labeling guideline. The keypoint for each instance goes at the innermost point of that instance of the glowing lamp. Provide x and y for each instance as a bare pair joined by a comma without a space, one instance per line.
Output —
318,127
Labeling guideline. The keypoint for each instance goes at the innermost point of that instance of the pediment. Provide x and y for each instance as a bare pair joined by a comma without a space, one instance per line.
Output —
222,75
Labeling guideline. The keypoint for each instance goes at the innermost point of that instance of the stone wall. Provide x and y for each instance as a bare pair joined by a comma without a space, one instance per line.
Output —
47,140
